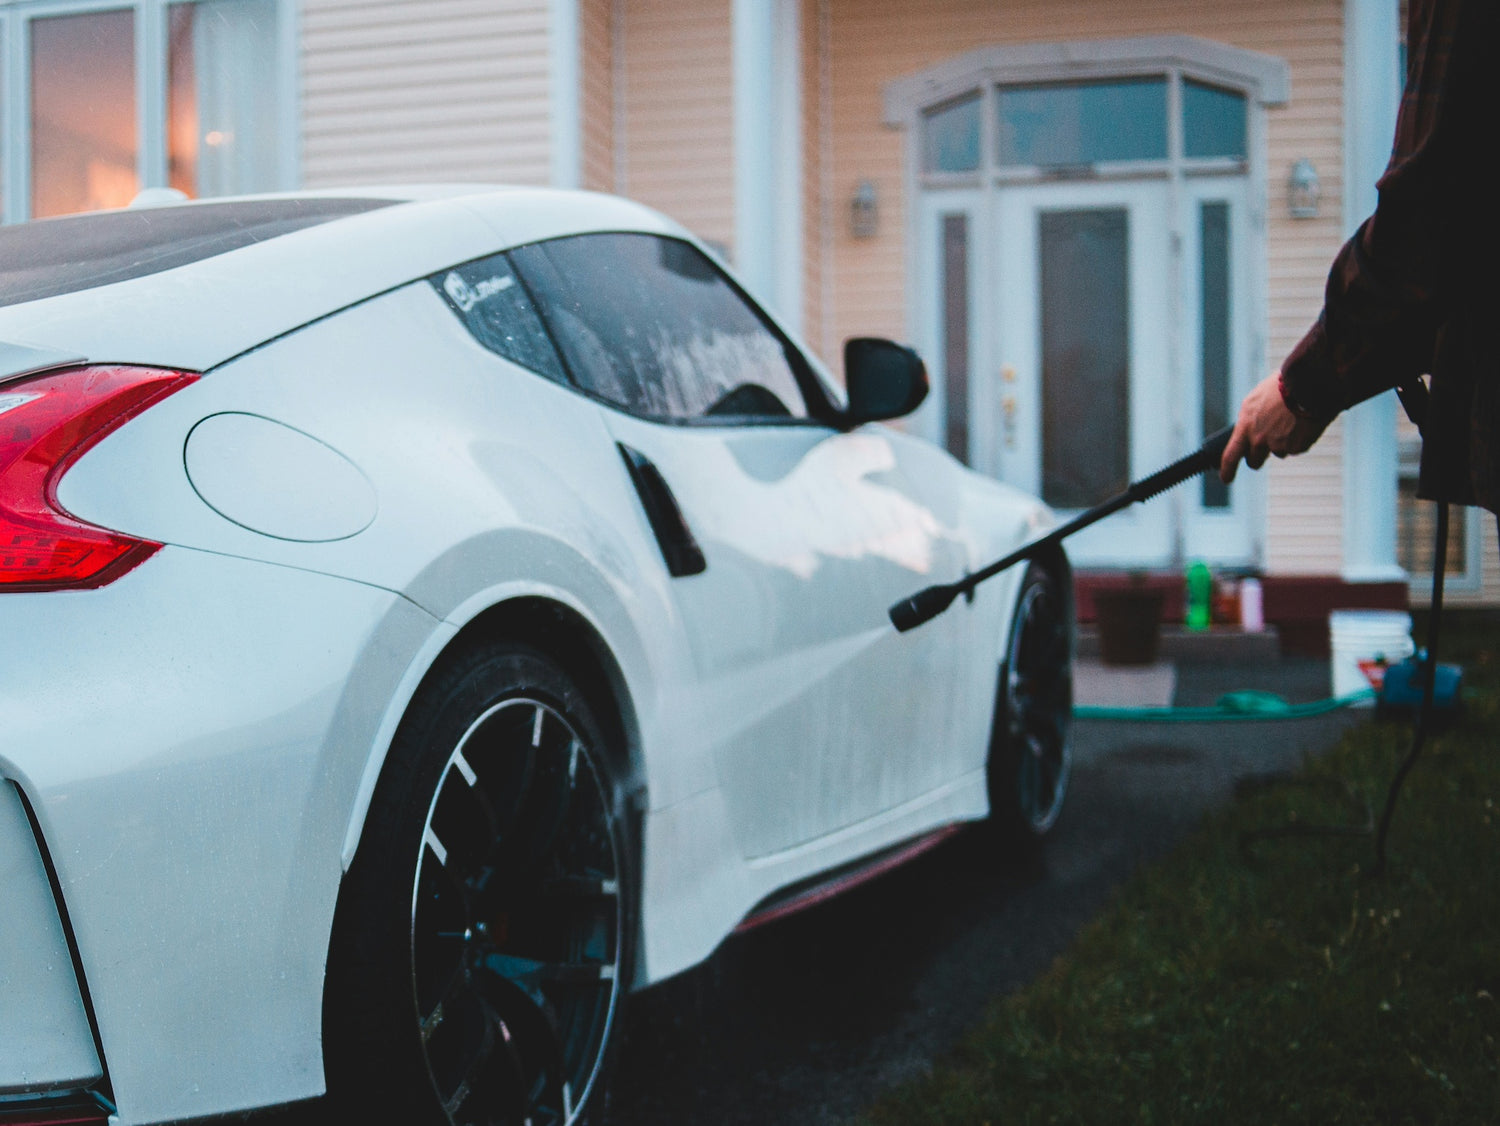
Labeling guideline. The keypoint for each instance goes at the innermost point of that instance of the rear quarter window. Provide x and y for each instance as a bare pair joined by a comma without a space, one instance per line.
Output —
494,306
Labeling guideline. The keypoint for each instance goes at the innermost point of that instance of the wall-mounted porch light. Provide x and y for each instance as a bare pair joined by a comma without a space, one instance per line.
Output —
1302,190
864,211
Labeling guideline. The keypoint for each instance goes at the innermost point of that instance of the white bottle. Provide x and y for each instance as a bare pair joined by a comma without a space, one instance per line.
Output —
1252,608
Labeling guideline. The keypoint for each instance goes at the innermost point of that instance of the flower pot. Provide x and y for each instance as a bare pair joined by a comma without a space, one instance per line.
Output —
1129,625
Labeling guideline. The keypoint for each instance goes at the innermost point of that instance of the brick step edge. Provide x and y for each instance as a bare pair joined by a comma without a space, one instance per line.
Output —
1221,643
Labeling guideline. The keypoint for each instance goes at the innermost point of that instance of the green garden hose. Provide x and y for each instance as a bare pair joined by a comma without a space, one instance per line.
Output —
1234,707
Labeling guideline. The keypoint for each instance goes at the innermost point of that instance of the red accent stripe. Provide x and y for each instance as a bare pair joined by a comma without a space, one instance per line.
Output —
837,886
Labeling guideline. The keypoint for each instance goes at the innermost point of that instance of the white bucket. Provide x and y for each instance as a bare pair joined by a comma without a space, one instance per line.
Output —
1363,643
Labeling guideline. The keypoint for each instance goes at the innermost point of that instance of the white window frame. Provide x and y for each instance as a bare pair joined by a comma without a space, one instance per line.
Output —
1264,80
1471,579
150,92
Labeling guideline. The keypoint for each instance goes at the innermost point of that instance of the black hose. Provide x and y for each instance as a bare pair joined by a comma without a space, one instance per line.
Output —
1429,678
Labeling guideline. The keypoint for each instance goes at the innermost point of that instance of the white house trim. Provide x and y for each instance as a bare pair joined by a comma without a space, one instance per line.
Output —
1372,94
768,152
151,95
14,112
787,164
565,90
288,44
1264,78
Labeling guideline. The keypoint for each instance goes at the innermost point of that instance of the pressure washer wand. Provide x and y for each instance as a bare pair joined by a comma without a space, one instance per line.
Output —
927,604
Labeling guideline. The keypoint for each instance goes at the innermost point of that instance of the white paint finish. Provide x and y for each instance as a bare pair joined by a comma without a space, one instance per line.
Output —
492,483
230,713
565,61
217,726
823,531
17,359
1372,94
256,473
45,1039
701,893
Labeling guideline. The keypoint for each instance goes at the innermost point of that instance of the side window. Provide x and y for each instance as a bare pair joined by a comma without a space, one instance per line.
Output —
651,325
494,306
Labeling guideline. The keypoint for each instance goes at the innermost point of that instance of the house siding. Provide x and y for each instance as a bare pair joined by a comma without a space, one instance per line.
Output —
596,19
875,41
678,146
426,90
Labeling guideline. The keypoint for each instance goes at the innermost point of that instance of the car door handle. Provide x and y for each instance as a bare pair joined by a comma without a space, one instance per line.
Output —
678,547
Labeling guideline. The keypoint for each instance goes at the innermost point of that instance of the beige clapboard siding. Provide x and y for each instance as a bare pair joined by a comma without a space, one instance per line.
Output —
596,23
430,90
679,112
1305,495
875,41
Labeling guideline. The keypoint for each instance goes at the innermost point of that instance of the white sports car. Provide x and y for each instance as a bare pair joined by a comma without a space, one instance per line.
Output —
430,615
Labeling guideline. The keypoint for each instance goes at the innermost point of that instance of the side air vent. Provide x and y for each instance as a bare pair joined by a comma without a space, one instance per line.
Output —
678,547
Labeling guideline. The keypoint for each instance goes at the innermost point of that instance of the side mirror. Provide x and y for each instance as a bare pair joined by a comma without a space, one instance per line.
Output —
884,380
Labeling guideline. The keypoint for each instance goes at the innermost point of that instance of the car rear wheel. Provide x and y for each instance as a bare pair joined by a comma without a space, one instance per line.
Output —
1030,745
483,940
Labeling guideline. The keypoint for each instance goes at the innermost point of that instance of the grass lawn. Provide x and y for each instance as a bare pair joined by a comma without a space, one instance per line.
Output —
1282,985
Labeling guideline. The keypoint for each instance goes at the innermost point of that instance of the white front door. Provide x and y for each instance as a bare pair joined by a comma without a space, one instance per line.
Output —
1084,299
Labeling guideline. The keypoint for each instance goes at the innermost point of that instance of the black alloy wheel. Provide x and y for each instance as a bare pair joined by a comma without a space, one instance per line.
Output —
486,937
1030,752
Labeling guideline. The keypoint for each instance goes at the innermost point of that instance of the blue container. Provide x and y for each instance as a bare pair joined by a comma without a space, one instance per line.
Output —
1401,691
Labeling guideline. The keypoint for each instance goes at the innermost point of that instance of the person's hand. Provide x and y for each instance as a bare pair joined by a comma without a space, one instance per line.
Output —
1266,426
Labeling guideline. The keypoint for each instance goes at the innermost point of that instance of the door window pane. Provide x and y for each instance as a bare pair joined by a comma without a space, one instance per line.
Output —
651,325
950,137
1085,355
956,333
1083,123
83,136
1213,227
222,97
1213,121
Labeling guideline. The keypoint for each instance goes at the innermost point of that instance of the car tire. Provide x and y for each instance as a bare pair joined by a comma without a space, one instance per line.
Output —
483,942
1030,745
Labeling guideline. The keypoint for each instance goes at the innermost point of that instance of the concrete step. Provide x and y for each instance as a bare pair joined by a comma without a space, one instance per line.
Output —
1219,644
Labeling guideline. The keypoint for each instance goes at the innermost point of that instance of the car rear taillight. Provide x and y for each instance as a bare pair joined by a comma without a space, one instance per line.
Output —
47,422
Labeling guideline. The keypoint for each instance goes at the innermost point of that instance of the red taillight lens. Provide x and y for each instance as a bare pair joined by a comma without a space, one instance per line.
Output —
47,422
